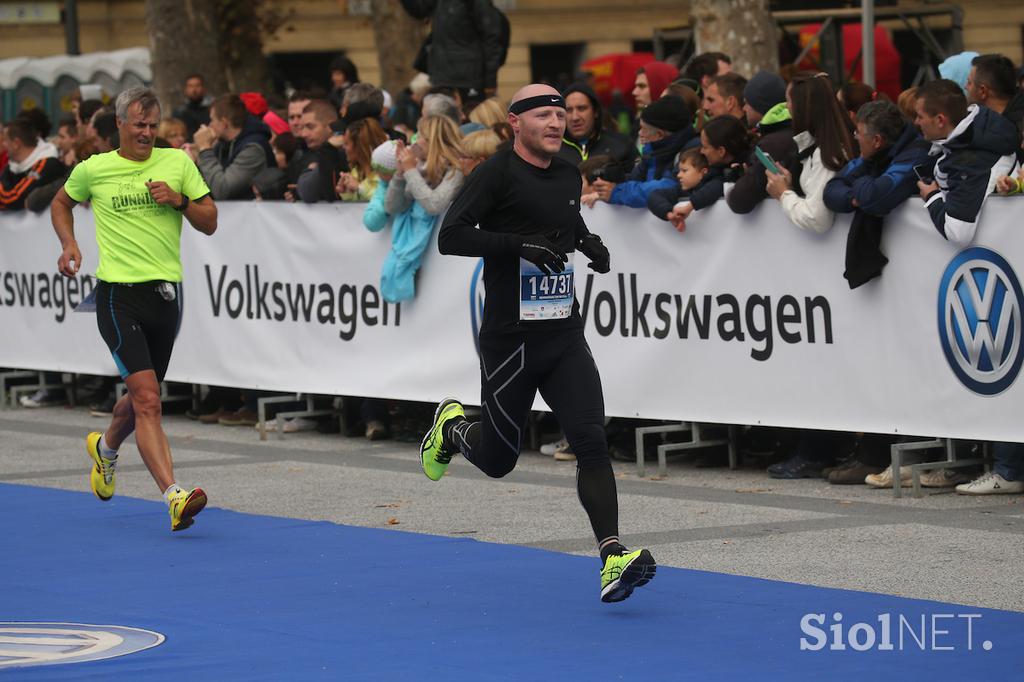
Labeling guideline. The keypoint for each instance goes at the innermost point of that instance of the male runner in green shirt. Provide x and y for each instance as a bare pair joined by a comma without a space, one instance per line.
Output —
138,196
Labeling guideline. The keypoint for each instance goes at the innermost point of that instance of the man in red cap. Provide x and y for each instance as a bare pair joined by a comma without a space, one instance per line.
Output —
651,81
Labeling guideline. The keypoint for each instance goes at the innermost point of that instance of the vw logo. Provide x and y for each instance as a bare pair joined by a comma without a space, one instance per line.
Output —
32,644
476,302
980,304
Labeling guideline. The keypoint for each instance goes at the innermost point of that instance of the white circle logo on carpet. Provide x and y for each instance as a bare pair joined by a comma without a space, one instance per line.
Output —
26,644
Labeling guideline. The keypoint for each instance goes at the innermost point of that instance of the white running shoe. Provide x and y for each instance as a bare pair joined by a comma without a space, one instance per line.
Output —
884,479
991,484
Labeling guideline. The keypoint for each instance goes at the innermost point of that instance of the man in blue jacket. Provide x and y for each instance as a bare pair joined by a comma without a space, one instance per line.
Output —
974,146
882,177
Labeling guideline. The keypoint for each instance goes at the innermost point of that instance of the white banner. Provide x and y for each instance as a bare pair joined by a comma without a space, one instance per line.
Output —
741,319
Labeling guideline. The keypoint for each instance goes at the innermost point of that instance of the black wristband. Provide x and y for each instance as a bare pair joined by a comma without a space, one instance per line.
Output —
184,203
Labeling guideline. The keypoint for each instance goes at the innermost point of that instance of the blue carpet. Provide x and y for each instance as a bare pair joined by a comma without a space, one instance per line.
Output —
240,596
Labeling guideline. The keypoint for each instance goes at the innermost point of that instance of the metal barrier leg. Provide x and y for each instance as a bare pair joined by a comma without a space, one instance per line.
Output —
261,410
733,446
643,431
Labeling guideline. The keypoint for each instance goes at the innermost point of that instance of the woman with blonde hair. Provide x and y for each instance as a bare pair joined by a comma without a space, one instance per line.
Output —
361,138
426,180
174,131
492,110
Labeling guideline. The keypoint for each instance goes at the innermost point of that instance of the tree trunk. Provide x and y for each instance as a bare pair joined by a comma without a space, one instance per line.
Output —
183,36
241,41
398,38
742,29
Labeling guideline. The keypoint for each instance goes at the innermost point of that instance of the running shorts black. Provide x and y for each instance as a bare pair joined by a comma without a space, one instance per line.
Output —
139,324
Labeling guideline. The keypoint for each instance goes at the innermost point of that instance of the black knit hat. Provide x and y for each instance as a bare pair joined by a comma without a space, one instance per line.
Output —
764,91
668,113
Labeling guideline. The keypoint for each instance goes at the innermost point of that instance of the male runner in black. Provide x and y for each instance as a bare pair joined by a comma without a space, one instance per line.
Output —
526,202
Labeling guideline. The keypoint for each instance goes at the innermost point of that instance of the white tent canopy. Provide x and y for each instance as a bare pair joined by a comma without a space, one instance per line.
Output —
82,68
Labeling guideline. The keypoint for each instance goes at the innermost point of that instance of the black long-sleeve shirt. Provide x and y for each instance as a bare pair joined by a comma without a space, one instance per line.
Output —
511,199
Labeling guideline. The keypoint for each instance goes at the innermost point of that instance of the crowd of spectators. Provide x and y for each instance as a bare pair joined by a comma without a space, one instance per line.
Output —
696,136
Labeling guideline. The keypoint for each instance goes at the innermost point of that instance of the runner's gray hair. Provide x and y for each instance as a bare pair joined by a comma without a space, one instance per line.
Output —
145,97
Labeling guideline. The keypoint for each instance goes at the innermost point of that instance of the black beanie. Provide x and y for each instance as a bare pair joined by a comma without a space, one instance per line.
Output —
764,91
668,113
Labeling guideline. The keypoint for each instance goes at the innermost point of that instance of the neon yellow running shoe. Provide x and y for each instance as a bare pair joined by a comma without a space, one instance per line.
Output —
184,506
101,477
622,573
434,456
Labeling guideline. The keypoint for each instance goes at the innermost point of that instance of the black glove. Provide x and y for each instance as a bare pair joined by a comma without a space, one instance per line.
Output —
543,253
593,248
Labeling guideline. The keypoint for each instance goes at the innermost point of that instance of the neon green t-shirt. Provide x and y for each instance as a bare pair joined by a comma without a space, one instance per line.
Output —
139,240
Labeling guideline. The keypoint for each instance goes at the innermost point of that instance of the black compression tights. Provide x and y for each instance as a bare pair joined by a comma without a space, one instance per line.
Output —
561,367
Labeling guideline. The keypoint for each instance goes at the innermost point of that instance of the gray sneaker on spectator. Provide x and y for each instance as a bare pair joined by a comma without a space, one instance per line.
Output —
548,449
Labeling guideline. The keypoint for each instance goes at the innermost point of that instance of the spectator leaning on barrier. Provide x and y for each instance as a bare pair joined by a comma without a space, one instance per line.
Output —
585,134
991,84
693,170
195,111
725,144
233,149
824,146
31,163
665,130
322,162
423,187
766,109
974,146
361,138
875,183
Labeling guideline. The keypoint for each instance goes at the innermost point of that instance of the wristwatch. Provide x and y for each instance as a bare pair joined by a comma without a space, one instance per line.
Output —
184,203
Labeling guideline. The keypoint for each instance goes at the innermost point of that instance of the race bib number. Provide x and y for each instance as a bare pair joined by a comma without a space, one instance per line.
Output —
545,297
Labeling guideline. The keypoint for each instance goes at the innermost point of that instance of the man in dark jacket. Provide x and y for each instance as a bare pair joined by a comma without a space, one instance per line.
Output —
974,146
195,111
465,48
585,135
665,130
31,163
233,149
765,109
322,163
991,84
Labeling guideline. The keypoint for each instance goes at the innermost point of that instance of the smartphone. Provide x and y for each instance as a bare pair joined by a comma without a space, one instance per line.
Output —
766,160
923,173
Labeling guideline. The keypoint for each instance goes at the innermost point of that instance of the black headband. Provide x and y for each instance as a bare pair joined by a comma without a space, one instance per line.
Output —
522,105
